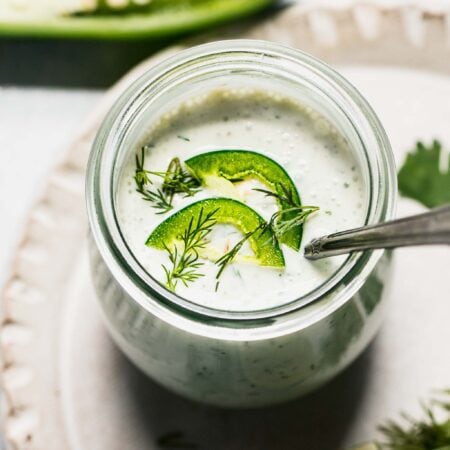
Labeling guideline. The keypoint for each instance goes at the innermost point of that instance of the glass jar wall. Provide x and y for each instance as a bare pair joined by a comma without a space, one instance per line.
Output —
238,358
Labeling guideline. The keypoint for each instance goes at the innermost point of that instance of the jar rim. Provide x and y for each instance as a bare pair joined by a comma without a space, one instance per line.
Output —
100,194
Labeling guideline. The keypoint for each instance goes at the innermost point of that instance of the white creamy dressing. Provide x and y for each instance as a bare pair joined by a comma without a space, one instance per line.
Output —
315,156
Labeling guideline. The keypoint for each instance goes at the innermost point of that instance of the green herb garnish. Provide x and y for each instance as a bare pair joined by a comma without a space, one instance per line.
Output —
285,195
184,258
412,434
228,257
287,219
278,223
423,178
141,176
298,215
158,199
176,180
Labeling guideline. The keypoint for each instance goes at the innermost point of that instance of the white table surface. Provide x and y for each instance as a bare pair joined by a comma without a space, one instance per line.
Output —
35,127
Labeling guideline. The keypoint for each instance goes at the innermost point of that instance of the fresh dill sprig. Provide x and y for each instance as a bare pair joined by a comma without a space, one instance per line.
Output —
141,176
228,257
426,434
429,433
157,198
287,195
176,180
278,225
184,258
287,219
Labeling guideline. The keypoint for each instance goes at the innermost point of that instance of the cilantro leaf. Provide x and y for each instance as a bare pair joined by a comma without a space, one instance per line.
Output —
422,179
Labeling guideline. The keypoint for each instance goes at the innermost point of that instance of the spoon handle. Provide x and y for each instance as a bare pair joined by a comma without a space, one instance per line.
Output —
432,227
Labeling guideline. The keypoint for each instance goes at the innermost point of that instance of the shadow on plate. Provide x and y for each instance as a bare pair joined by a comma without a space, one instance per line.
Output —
319,421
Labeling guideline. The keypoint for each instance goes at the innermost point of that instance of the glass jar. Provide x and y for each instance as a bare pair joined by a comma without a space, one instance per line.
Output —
229,358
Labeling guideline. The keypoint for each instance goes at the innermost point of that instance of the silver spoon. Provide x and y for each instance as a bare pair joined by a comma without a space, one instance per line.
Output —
432,227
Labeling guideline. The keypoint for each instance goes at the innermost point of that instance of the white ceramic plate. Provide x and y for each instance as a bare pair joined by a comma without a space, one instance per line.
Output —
66,385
